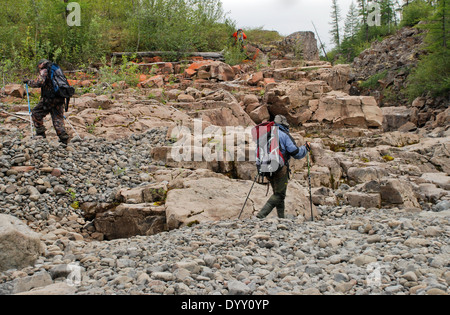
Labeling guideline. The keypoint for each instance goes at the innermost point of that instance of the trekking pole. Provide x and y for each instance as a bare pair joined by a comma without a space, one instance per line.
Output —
310,189
72,128
29,111
248,196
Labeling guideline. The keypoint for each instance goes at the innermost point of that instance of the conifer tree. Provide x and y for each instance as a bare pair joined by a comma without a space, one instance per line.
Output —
363,13
335,19
432,74
351,22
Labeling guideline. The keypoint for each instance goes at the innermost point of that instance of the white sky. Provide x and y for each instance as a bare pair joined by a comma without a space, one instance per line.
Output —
286,16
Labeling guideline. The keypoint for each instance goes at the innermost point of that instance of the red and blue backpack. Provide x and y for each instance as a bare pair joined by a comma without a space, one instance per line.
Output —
269,158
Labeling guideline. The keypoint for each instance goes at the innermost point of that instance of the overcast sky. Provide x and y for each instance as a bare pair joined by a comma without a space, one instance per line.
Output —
286,16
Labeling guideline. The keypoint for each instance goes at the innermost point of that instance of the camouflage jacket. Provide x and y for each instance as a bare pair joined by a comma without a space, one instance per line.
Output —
43,81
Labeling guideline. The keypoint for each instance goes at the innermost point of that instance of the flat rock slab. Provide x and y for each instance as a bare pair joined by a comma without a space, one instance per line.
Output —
19,245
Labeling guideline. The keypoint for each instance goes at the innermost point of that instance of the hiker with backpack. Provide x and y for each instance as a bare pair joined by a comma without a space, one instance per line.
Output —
55,96
279,149
240,37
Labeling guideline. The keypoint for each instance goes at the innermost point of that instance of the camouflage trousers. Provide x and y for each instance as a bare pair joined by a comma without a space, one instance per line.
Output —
279,182
54,107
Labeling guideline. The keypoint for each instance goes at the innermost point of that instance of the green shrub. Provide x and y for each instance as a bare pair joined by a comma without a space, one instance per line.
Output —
260,36
32,30
372,82
234,55
431,76
177,25
126,71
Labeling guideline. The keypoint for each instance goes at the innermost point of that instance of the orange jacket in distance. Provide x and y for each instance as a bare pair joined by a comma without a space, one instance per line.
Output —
235,35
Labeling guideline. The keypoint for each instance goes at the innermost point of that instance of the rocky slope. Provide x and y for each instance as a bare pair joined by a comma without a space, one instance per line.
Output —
382,71
120,210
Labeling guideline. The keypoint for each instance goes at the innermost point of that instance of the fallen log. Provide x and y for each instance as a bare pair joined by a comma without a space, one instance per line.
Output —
163,63
14,115
88,70
207,55
303,68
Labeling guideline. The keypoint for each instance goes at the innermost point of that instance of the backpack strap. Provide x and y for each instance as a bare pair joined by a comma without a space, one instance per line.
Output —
52,68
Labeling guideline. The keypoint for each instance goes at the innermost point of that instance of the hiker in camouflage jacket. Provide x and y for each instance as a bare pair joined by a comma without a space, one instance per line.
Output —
48,104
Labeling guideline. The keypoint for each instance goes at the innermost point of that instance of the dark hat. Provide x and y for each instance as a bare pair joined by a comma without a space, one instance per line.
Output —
281,120
43,61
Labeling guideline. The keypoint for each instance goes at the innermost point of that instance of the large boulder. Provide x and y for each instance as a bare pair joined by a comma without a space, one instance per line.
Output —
430,193
226,112
221,71
349,111
226,115
364,200
398,193
304,102
155,81
301,41
25,284
395,117
20,247
442,119
140,213
336,77
208,69
55,289
213,199
260,115
441,156
439,179
365,174
296,100
327,170
16,90
399,139
128,220
154,193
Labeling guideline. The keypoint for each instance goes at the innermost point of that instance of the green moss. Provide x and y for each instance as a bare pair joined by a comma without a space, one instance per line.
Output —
364,159
193,223
75,205
337,147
